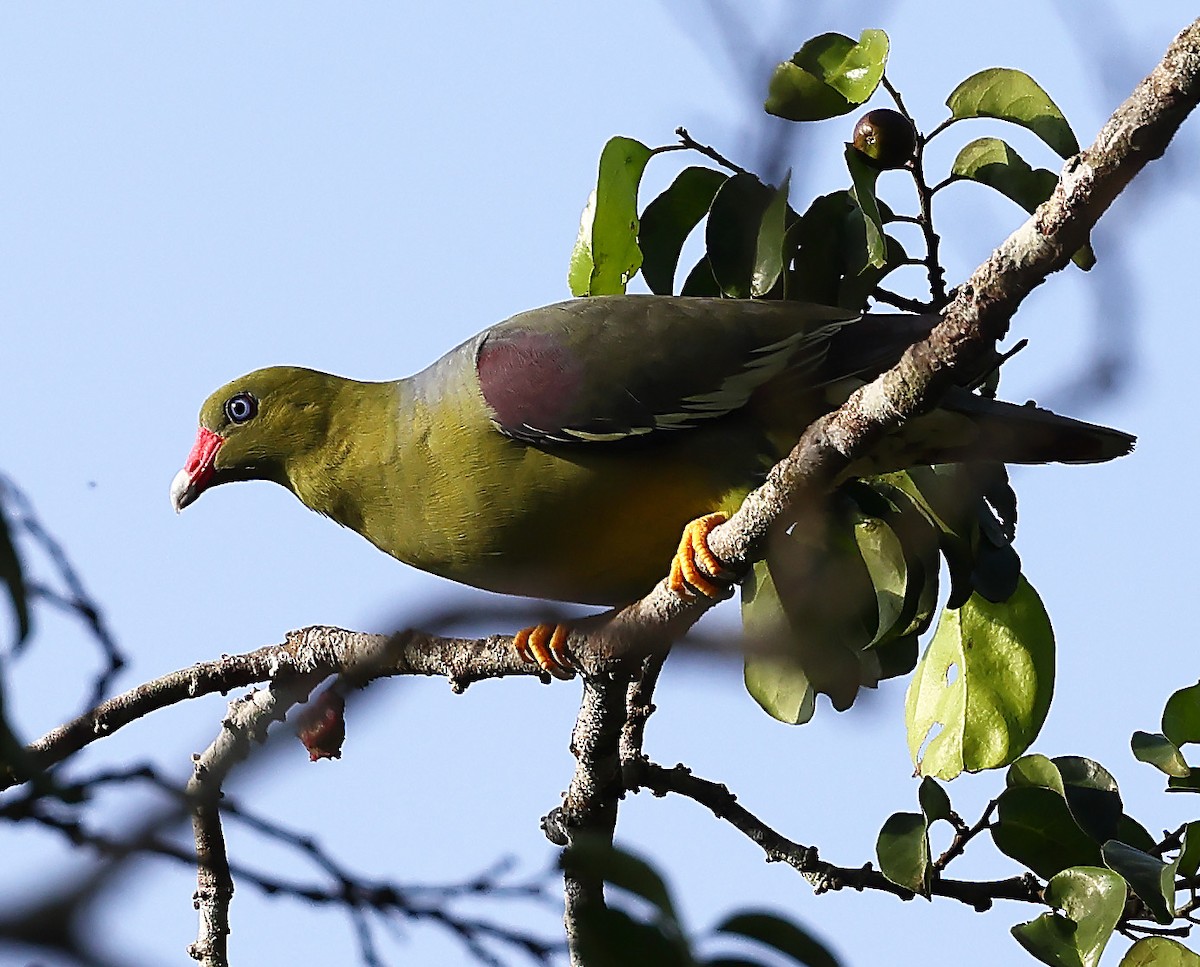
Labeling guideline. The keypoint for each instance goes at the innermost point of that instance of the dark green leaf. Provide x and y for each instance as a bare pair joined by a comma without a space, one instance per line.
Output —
1092,899
1189,855
669,219
986,679
622,869
13,577
1092,795
828,76
935,804
819,236
1148,876
994,163
731,234
782,935
1160,752
884,558
1012,95
768,250
701,281
1159,952
1188,783
864,176
903,852
821,611
1035,827
606,254
776,680
610,937
1181,716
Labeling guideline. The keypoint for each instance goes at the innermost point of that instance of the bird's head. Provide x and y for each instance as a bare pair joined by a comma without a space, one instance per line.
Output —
254,427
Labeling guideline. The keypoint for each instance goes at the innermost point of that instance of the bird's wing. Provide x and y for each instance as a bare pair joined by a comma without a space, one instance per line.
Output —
619,367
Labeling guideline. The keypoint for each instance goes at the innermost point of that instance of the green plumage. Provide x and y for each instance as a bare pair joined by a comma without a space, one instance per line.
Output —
559,454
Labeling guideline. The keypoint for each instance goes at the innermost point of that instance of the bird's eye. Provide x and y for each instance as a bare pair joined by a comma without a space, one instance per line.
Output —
241,408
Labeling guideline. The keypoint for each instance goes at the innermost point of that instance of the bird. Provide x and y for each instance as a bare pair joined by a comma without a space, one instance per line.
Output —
581,451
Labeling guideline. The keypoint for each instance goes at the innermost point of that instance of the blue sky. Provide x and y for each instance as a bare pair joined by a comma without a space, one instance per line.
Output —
193,191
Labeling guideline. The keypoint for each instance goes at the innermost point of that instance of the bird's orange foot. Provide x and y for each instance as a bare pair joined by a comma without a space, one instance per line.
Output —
694,559
546,646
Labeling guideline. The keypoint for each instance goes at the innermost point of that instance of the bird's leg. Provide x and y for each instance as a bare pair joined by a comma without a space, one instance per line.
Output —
695,567
545,645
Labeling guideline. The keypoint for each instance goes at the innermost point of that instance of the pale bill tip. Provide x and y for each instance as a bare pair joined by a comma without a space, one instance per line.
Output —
179,490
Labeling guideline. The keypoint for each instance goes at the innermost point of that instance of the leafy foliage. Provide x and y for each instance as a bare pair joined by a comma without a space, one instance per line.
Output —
841,596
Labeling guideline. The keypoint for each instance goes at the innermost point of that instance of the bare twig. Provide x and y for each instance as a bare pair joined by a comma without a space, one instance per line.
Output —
979,894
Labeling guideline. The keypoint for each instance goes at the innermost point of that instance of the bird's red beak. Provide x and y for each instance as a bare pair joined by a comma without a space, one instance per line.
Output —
197,471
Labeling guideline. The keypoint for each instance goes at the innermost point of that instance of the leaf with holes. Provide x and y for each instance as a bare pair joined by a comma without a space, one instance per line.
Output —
986,680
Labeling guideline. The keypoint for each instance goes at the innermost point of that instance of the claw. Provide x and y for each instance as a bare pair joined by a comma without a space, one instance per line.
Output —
545,645
694,559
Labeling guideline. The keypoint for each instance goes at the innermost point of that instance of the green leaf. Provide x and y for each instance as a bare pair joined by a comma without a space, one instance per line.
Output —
818,615
768,250
788,938
777,682
935,804
986,679
669,219
731,235
819,235
828,76
622,869
864,176
610,937
1159,952
13,577
884,558
1160,752
606,254
1092,899
1035,827
701,281
903,852
1181,716
994,163
1149,877
1012,95
1189,853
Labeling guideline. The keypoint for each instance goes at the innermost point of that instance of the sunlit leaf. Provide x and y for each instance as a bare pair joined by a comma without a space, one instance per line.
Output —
994,163
1181,716
1160,752
606,254
1012,95
1092,900
828,76
669,219
986,680
1159,952
777,681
